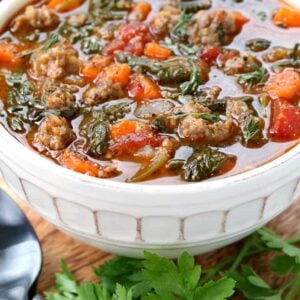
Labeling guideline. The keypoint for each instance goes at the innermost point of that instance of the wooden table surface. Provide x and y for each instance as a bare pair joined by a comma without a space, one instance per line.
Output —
81,258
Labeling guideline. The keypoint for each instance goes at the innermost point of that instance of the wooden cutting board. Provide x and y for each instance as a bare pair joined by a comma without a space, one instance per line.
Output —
56,245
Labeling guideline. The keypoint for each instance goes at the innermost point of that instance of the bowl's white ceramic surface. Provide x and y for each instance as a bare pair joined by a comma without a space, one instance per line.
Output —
128,218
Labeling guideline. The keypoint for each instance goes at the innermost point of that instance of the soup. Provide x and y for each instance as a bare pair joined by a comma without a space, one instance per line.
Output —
162,92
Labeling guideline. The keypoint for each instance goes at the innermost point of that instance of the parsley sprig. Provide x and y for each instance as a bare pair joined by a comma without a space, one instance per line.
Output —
159,278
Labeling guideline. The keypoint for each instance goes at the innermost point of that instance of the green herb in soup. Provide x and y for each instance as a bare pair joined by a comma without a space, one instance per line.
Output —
162,91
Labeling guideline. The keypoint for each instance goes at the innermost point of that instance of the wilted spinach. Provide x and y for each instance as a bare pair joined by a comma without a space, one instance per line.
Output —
173,70
94,127
102,11
22,107
204,163
75,33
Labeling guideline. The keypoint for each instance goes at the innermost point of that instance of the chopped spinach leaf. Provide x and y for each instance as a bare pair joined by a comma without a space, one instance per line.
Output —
251,128
76,33
259,76
173,70
94,127
50,42
205,116
181,48
262,15
204,163
91,45
179,30
192,85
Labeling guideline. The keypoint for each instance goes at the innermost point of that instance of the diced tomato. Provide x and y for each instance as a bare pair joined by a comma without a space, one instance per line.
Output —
132,30
132,38
135,46
131,143
285,84
143,88
209,54
115,46
285,121
287,17
226,55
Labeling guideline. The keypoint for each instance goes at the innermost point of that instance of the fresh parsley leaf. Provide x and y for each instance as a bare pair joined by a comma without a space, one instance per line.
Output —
282,264
168,279
251,128
125,271
252,285
259,76
65,281
220,290
275,242
122,293
92,291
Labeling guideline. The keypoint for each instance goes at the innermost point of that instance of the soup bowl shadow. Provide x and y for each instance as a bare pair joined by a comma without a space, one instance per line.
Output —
127,219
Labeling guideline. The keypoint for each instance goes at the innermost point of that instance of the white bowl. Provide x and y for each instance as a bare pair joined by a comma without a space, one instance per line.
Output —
128,218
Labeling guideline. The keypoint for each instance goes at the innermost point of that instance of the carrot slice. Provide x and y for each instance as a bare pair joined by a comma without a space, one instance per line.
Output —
156,51
78,163
287,17
240,20
285,84
123,128
10,56
141,11
143,88
92,68
118,73
64,5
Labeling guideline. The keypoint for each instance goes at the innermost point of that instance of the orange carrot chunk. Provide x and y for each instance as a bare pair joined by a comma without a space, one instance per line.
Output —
287,17
92,68
141,11
143,88
118,73
123,128
78,163
64,5
156,51
240,20
285,84
10,56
